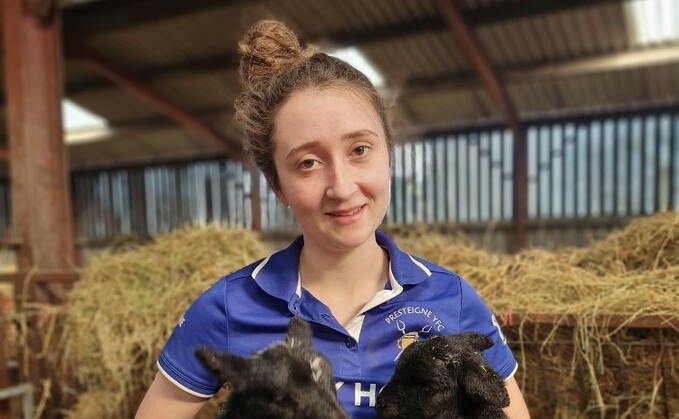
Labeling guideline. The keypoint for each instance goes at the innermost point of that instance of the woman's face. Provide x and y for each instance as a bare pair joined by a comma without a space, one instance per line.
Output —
332,161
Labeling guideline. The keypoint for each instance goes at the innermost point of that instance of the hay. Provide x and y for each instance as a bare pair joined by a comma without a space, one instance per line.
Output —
123,309
648,243
455,253
576,372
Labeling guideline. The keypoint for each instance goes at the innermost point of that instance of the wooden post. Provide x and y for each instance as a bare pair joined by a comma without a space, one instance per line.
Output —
5,412
40,197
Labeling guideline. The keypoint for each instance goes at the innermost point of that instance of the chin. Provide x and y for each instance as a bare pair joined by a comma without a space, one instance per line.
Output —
348,239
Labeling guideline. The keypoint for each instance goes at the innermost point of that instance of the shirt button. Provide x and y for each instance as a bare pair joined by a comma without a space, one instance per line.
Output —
295,307
350,343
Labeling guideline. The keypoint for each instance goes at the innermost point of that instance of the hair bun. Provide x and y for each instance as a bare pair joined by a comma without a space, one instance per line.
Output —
268,47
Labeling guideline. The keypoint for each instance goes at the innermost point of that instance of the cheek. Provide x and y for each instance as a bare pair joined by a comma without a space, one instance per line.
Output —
302,195
380,180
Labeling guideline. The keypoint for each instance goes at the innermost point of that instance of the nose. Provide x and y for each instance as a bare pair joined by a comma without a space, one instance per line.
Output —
341,183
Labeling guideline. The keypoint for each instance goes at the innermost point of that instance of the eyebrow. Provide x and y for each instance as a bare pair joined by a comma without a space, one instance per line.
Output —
347,136
359,133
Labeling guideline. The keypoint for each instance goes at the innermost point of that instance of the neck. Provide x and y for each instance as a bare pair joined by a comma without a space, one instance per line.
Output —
322,265
344,281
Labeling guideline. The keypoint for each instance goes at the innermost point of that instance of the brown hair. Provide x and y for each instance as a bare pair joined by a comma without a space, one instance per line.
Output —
273,66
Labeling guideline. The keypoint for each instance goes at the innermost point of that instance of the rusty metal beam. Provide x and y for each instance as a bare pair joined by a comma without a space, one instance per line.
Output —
602,320
40,193
194,68
654,56
33,82
156,100
94,18
472,50
87,19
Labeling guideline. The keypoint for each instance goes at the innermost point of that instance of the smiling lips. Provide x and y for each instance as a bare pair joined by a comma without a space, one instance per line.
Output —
348,213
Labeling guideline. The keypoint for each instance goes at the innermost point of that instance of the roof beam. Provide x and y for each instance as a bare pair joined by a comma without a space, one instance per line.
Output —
474,18
477,58
136,127
472,50
205,65
601,63
98,17
156,100
508,11
81,21
597,64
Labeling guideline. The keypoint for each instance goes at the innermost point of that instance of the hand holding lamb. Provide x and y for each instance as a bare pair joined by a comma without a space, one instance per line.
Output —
444,377
288,380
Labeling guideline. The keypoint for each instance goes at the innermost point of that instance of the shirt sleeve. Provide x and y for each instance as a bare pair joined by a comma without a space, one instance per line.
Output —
475,316
205,323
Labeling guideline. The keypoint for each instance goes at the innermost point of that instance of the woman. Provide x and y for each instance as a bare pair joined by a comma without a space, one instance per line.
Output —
319,131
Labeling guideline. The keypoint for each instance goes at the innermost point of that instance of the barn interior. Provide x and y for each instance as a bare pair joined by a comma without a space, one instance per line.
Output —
536,153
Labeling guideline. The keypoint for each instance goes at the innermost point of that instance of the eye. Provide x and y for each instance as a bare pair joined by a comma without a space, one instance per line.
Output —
361,150
306,164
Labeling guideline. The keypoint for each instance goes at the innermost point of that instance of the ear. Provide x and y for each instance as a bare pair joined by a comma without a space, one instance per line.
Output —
226,367
299,333
476,341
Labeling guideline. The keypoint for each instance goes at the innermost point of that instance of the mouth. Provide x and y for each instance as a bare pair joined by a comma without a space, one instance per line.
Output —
346,213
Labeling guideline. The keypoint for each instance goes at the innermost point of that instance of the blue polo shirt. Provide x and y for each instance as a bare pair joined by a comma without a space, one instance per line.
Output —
248,310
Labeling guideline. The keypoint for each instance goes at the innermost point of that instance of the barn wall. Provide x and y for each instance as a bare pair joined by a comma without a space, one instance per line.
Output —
586,176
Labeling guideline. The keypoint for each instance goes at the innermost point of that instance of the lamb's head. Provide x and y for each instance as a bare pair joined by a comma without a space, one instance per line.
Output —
286,380
444,377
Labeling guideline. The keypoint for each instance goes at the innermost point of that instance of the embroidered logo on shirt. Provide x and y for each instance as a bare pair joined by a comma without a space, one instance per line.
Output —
411,334
408,338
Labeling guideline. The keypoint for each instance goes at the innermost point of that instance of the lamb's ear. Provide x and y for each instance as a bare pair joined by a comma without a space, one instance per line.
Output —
226,367
299,333
475,340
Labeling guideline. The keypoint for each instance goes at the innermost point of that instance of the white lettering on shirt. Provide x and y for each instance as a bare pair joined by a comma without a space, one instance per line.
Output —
359,393
409,310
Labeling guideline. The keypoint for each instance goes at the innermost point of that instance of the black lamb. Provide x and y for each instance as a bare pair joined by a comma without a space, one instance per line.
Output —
284,381
444,377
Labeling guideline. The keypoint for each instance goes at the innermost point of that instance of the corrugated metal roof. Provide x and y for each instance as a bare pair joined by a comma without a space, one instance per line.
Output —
183,38
553,57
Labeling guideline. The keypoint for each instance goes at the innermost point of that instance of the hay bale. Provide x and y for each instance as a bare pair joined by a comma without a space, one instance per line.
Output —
585,370
570,373
452,251
120,314
123,308
647,243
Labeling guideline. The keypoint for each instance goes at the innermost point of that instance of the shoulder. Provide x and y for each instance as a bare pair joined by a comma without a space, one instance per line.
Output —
409,269
435,269
215,296
244,272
